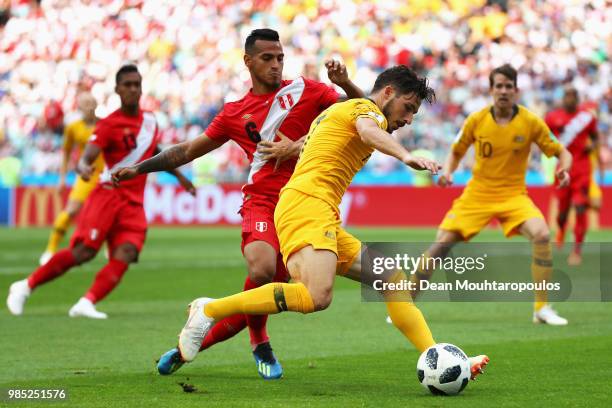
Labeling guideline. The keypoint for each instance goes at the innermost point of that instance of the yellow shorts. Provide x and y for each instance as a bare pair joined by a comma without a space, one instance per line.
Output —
594,190
468,215
81,188
303,220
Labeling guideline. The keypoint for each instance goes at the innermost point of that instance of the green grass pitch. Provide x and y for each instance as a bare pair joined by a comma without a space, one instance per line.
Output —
344,356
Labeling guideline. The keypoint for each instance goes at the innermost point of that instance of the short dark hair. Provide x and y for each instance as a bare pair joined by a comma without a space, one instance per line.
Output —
506,70
405,81
125,69
265,34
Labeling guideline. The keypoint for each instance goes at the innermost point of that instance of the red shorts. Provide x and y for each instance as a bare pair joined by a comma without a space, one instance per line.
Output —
258,225
108,216
577,193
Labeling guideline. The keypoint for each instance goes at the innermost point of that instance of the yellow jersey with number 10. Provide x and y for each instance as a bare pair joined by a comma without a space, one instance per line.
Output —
502,151
333,151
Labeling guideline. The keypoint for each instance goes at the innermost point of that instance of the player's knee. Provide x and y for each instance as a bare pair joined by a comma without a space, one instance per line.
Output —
126,253
580,209
261,271
541,235
321,298
83,254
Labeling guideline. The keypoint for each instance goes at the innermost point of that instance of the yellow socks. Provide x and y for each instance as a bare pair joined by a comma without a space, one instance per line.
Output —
267,299
407,317
61,224
541,270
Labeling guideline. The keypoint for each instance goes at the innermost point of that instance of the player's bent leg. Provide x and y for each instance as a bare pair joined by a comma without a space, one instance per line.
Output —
271,298
536,230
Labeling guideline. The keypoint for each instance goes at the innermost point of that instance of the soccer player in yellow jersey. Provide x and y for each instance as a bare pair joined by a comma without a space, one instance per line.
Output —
502,135
314,246
76,135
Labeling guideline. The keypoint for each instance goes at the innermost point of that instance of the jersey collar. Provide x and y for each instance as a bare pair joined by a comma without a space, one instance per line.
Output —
515,111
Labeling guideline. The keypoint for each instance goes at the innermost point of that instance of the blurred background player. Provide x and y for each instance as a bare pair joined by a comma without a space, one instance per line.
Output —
112,214
576,129
313,244
76,135
502,135
273,106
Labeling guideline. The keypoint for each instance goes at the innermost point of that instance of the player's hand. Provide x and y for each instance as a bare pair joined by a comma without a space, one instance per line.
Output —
187,185
281,150
421,163
84,170
336,72
123,174
563,177
445,180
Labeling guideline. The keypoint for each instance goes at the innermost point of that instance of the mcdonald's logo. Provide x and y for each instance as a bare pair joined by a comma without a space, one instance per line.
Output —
42,199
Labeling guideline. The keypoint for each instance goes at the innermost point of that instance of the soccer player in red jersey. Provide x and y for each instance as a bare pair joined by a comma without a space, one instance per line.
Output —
114,214
273,107
576,129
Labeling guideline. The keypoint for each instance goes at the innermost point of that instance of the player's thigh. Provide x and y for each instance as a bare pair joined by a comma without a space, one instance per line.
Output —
302,220
98,216
130,227
82,189
316,269
535,229
467,217
580,191
518,210
260,245
595,194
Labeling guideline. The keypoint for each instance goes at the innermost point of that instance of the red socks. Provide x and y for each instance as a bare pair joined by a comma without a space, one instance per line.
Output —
106,280
57,266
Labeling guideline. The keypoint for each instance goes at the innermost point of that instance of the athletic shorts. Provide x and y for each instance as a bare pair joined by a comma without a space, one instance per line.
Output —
303,220
108,216
468,216
577,193
81,188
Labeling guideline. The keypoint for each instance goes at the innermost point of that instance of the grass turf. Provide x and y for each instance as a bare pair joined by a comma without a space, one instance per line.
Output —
345,356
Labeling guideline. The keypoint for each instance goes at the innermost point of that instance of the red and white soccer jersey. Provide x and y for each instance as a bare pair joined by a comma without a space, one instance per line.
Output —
116,214
574,129
290,110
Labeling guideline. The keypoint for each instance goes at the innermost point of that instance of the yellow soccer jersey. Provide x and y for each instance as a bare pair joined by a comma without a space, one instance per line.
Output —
502,151
333,152
77,135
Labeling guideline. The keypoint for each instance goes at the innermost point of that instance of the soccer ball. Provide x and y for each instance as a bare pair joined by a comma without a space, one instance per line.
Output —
444,369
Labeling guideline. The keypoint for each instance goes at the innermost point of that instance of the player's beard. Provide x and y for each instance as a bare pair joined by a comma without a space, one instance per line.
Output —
386,111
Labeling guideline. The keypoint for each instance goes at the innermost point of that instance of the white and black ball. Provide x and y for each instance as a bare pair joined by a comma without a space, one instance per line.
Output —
444,369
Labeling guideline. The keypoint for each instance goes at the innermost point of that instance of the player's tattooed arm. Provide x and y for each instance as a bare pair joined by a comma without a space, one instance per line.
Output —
85,165
337,73
183,181
169,159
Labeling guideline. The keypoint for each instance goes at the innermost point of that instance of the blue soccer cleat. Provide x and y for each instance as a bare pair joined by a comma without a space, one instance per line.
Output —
267,365
169,362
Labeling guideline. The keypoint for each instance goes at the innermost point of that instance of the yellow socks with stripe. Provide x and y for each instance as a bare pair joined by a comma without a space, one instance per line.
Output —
60,225
267,299
407,317
541,270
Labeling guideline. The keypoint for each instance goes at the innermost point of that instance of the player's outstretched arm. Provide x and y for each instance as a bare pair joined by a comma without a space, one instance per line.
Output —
565,163
183,181
450,165
382,141
85,165
337,73
169,159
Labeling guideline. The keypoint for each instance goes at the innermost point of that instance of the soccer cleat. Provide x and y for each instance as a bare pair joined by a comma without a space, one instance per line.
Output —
477,365
195,330
18,294
44,258
548,315
169,362
388,320
267,366
85,308
574,259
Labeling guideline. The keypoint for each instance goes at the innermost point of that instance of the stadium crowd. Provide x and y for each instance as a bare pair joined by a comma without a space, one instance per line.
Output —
190,54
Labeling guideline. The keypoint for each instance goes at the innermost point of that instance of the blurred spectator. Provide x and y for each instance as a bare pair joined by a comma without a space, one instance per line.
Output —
190,55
